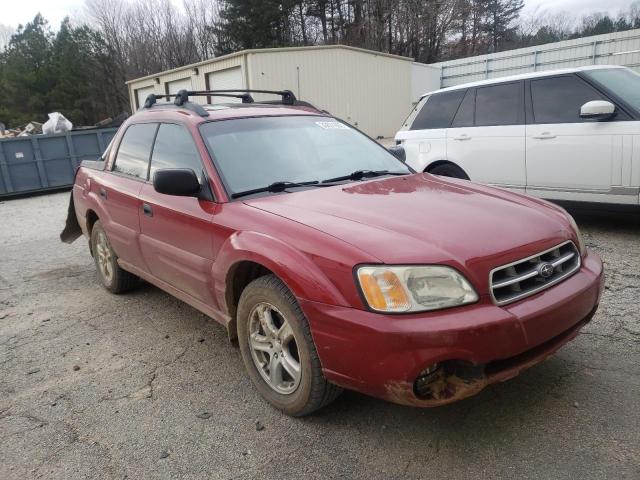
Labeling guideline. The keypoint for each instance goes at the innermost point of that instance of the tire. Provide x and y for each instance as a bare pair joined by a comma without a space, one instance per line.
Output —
265,309
112,277
449,170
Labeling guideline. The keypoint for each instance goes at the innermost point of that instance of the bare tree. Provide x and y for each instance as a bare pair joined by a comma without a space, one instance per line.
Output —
5,35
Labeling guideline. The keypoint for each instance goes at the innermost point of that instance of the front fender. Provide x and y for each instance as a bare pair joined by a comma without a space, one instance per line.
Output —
295,268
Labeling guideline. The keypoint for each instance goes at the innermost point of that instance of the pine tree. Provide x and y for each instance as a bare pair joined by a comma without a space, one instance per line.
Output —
26,77
499,24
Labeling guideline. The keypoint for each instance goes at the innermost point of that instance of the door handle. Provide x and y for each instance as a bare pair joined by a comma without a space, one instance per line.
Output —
544,136
147,210
462,137
103,193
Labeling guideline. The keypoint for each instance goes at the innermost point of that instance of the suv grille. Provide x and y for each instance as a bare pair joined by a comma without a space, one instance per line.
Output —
531,275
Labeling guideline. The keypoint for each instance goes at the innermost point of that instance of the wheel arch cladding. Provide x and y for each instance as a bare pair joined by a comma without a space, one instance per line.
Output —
250,255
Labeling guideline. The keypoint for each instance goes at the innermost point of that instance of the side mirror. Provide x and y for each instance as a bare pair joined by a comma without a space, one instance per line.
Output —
398,152
597,110
181,182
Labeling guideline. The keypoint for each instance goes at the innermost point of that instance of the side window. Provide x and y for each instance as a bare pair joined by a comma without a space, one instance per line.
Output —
439,110
500,105
558,100
134,150
174,148
464,117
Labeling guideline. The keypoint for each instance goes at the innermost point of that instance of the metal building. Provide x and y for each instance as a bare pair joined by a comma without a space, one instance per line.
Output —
621,48
371,90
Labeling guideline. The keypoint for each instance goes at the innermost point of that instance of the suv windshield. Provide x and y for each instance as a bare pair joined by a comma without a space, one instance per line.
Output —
251,153
621,82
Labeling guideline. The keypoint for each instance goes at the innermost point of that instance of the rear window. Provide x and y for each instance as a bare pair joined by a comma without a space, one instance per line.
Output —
135,149
439,110
464,117
500,105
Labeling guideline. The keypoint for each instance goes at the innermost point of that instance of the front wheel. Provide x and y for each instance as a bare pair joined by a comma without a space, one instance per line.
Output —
278,351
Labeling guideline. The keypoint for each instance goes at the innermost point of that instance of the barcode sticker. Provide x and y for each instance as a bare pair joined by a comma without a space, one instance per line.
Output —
332,125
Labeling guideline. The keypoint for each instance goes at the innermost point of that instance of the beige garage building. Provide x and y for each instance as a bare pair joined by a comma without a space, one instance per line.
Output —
371,90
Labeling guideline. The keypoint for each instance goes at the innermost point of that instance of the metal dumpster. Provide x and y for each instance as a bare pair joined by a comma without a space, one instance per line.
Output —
39,163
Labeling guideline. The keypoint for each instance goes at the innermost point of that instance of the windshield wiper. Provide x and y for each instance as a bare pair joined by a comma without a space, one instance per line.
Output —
360,174
274,187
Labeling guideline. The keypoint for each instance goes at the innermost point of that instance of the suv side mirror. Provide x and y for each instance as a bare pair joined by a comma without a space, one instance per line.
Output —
597,110
398,152
181,182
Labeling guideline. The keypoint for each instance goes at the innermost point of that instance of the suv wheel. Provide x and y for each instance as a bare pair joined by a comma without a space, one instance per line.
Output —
114,278
449,170
278,351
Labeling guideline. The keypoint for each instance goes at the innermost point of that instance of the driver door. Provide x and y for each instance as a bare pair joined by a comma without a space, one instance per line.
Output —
176,234
567,157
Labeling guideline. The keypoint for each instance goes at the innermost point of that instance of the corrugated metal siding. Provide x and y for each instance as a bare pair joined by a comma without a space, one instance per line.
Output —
372,92
621,48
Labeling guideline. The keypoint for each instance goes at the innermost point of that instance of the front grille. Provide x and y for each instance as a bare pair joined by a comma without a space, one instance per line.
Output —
530,275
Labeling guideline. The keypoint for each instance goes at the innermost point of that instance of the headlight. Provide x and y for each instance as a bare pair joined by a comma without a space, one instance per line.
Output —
414,289
581,246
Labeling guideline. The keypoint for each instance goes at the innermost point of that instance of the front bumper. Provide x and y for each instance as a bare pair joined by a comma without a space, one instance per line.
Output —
383,355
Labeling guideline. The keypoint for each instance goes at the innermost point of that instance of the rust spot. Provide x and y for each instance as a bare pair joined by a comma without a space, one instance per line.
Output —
445,388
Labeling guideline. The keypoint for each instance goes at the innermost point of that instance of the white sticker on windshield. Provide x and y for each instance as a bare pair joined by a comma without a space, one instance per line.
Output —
332,125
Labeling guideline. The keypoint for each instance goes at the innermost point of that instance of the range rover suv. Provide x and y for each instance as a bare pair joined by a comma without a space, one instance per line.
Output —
561,135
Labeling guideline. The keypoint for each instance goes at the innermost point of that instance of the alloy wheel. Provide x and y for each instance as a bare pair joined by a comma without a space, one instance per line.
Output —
274,349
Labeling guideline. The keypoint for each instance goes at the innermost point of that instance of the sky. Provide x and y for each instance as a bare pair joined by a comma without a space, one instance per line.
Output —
56,10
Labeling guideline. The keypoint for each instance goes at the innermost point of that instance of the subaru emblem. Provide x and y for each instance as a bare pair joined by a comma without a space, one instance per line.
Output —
545,270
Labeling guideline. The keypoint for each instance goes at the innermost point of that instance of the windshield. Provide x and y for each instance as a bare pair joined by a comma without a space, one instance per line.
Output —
251,153
621,82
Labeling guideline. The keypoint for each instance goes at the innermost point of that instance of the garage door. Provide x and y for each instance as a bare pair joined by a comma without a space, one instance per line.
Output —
225,80
141,95
177,85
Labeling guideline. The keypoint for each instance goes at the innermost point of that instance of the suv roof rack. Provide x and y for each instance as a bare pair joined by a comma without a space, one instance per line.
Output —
182,98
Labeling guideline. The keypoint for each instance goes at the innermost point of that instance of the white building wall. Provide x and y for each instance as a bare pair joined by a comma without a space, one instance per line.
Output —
424,79
368,90
161,82
621,48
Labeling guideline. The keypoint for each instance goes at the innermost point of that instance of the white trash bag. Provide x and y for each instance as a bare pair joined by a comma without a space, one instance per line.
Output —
57,123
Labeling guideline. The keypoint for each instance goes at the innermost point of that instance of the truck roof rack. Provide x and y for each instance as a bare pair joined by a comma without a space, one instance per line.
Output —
182,98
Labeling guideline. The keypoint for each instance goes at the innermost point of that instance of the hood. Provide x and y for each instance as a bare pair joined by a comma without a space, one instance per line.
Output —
425,219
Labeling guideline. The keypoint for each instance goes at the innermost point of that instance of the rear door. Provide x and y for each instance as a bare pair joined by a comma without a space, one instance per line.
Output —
176,234
568,157
425,139
487,135
119,191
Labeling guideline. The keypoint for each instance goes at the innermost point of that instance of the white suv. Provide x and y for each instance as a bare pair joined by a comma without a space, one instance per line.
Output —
564,135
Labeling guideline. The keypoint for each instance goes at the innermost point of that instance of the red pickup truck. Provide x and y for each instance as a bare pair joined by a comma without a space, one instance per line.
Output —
330,261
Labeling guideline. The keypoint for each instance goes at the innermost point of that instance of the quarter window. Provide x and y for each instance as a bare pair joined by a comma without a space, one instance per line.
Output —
174,148
558,100
500,105
438,111
134,151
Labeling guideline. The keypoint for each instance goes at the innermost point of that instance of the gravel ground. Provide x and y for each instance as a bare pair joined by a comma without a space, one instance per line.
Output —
94,385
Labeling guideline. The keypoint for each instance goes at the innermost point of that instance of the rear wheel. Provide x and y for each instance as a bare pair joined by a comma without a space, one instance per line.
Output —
112,277
449,170
278,351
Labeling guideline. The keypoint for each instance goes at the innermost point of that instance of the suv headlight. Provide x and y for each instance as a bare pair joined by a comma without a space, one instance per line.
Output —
581,246
413,288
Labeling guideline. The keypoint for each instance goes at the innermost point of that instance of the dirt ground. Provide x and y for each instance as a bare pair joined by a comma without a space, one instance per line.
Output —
94,385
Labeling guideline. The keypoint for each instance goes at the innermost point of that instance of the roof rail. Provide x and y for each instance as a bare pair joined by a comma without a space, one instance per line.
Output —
194,107
288,98
182,98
